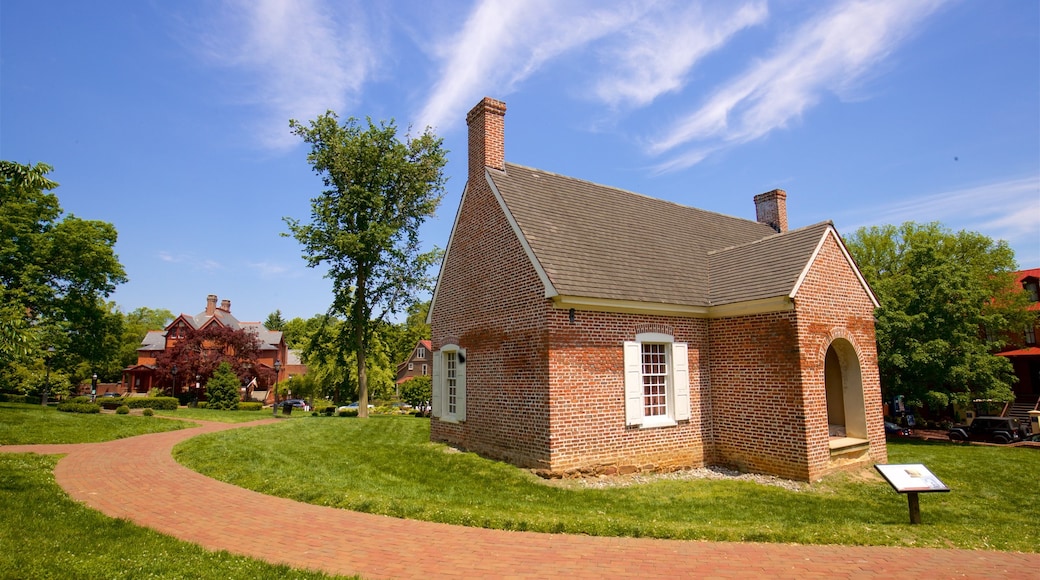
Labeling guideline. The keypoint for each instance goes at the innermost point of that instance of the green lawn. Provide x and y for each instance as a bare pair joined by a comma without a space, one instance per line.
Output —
386,465
32,424
215,415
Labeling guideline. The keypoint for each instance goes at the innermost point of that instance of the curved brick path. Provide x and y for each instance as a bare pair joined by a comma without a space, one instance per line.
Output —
138,479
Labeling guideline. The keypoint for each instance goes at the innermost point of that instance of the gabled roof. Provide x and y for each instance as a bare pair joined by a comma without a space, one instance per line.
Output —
596,241
154,340
606,244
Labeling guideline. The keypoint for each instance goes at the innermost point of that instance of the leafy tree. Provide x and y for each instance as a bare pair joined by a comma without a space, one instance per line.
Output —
275,321
938,290
365,226
55,271
136,325
418,391
222,388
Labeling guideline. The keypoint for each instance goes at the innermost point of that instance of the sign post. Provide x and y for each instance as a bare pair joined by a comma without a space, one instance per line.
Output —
911,479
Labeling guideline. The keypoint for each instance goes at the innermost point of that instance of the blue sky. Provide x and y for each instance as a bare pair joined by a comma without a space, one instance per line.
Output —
170,119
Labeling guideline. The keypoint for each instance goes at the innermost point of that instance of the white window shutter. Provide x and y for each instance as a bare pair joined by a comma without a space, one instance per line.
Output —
681,380
438,384
460,386
633,383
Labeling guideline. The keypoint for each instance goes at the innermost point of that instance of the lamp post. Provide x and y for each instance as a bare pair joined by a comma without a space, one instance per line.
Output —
47,381
173,373
198,389
274,387
93,387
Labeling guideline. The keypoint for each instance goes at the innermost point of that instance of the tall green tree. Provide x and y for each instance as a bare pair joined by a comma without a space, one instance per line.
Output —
275,321
55,271
136,325
941,294
364,227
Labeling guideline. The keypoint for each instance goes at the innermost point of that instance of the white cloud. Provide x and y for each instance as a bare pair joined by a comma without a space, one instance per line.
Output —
268,269
829,53
654,55
503,42
301,58
1005,210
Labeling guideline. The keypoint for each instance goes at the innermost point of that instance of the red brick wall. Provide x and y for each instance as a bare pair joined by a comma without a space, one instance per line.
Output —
491,302
832,305
755,394
587,407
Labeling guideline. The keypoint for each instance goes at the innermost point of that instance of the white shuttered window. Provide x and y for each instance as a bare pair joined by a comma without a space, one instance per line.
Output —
657,380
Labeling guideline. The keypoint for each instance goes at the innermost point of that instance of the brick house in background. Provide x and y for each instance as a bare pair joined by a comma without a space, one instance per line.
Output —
1024,353
581,328
418,363
141,377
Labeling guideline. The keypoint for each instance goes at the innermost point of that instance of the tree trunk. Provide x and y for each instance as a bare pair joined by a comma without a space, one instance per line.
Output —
362,347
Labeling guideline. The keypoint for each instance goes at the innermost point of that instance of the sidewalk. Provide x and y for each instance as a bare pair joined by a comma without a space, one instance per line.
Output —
138,479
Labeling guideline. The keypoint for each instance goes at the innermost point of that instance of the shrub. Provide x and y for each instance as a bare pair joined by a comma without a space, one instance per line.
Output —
124,410
158,403
69,407
12,398
80,399
329,411
222,388
148,412
344,412
202,405
250,406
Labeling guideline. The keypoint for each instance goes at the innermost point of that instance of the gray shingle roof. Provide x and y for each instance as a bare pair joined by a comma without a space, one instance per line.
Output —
602,242
764,268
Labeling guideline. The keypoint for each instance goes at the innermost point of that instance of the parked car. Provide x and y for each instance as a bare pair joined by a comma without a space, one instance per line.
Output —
296,403
894,429
1035,438
991,429
355,405
111,395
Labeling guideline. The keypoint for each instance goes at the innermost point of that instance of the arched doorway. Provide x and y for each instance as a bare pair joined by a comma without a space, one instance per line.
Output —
846,411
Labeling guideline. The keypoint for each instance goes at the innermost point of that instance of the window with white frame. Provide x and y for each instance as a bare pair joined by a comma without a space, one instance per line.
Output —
420,352
1030,335
449,383
657,380
425,370
411,366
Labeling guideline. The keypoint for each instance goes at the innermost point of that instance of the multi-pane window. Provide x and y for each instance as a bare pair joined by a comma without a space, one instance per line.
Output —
451,381
420,352
425,370
655,379
1030,335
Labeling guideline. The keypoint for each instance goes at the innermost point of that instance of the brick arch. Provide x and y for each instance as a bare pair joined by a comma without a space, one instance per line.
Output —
654,328
843,382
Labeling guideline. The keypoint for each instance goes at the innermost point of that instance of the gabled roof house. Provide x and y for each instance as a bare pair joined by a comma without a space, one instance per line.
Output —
578,328
141,377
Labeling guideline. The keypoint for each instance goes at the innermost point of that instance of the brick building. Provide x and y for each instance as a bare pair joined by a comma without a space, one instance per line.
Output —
582,328
419,362
142,377
1023,351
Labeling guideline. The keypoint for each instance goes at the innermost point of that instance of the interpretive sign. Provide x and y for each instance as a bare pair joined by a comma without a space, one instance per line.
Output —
911,479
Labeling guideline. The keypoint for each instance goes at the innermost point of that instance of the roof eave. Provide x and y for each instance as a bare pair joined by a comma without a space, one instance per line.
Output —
745,308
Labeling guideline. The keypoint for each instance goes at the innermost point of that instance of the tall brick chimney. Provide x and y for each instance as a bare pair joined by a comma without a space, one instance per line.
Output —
771,209
487,147
211,304
225,305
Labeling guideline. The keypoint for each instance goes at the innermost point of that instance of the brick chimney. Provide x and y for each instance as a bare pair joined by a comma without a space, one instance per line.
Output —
211,304
771,209
225,305
486,123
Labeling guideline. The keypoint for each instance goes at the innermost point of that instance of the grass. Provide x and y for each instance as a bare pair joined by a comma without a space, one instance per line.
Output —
215,415
386,465
33,424
44,534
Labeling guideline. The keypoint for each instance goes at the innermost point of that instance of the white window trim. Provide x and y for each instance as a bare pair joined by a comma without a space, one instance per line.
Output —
677,390
440,387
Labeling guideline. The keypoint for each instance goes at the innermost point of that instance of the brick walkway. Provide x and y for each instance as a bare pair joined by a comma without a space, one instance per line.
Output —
137,479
